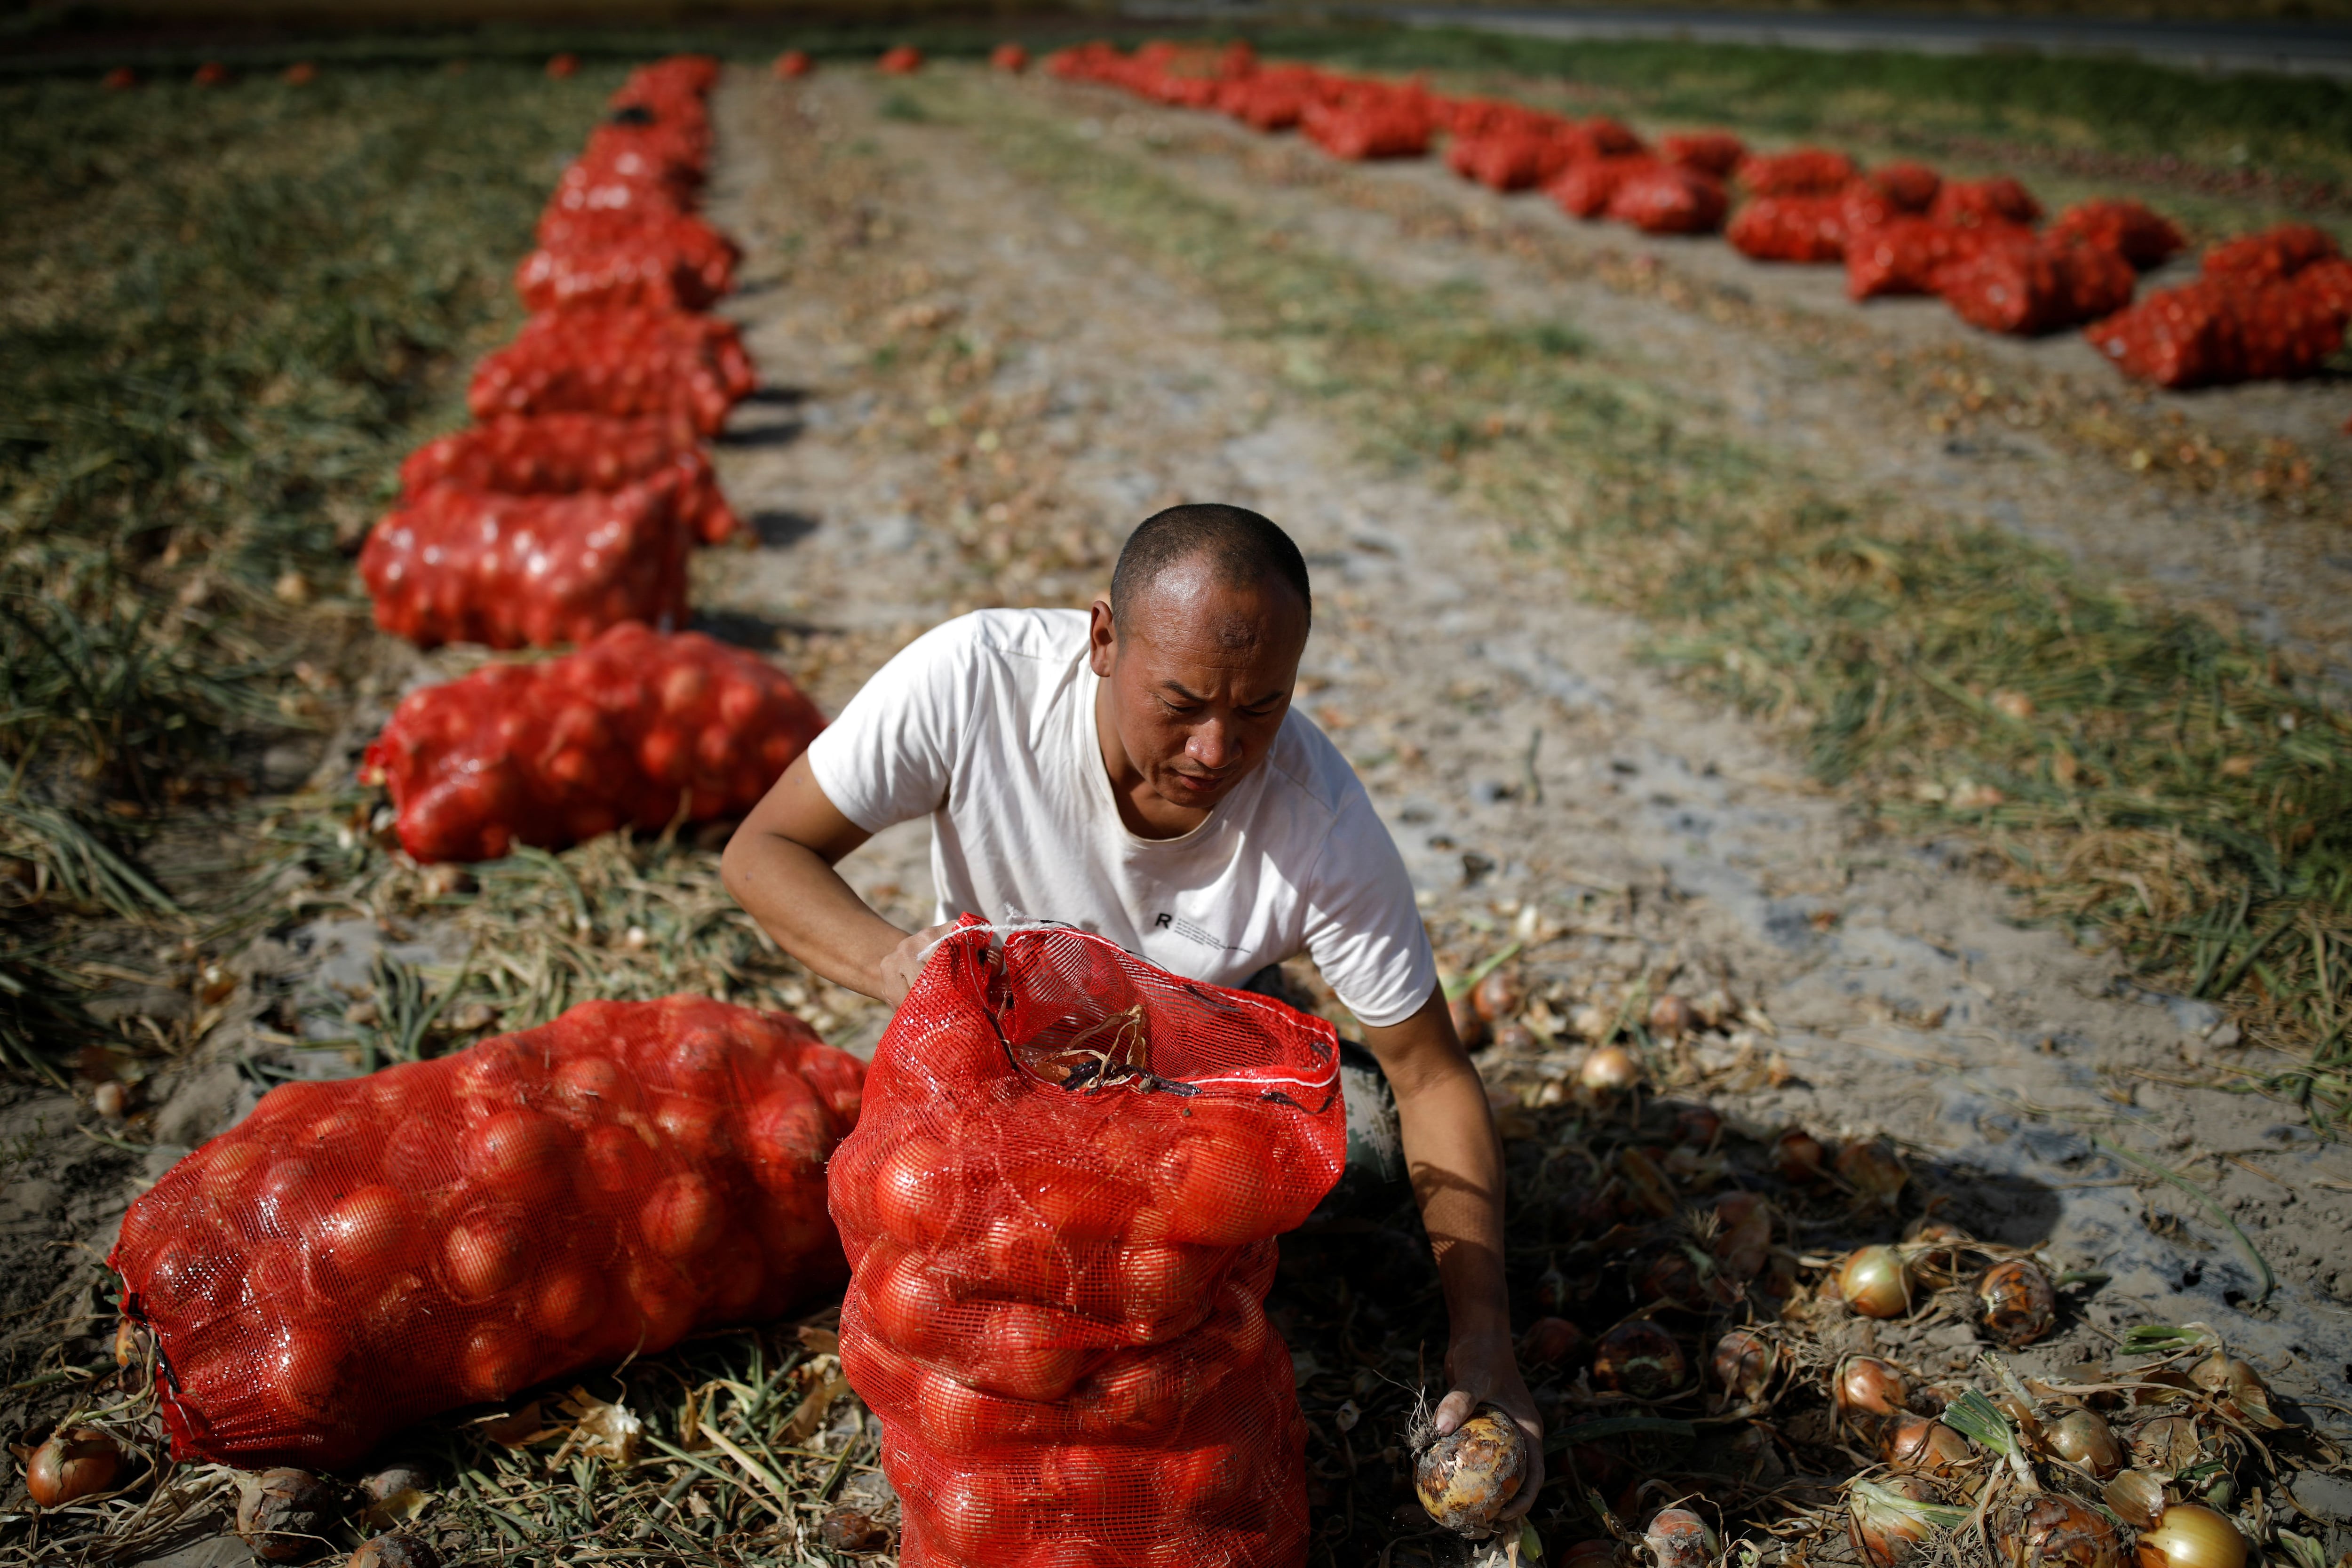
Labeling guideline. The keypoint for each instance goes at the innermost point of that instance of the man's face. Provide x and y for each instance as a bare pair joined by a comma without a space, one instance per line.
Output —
1198,680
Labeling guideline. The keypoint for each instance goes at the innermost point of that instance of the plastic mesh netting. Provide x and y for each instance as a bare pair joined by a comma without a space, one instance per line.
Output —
357,1254
1061,1203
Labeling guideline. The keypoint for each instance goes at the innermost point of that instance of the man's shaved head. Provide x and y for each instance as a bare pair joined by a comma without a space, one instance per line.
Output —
1240,549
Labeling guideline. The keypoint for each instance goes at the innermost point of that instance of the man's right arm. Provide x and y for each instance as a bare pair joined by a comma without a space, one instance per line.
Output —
779,866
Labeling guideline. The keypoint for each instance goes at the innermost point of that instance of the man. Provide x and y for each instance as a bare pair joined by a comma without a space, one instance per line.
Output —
1137,769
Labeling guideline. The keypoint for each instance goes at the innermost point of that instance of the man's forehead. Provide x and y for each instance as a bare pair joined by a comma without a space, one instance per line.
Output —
1191,602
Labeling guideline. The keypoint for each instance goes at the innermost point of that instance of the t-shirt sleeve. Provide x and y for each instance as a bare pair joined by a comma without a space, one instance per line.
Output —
890,756
1363,928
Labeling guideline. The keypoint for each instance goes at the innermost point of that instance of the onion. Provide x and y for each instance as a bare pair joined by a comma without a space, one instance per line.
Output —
1468,1027
111,1099
2082,1437
1743,1244
1890,1522
1871,1386
1875,1282
1744,1363
2188,1536
284,1515
2168,1444
2137,1498
1467,1478
1591,1022
1915,1443
1610,1069
1671,1277
394,1551
2240,1385
1589,1555
1698,1125
1670,1019
80,1462
1873,1173
1550,1340
1797,1154
1639,1358
1499,996
1677,1538
2016,1301
2058,1530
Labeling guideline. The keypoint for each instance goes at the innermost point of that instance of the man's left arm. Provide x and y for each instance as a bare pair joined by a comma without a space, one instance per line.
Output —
1456,1162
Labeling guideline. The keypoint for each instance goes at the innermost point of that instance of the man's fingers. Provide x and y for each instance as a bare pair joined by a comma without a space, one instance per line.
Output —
1454,1410
1526,1496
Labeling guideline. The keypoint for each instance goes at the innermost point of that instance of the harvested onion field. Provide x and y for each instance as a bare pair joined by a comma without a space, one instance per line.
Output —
1920,739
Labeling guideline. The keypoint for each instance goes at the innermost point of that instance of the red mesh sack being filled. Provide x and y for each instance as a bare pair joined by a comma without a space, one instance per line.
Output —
1584,188
1801,172
356,1255
1971,202
625,732
559,454
1061,1203
2141,237
1789,229
617,361
2030,285
2272,255
1668,198
527,570
1715,152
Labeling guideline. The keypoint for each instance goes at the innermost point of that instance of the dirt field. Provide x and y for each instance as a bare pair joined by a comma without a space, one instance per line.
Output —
973,391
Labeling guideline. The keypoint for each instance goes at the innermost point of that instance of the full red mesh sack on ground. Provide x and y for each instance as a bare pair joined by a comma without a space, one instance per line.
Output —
2030,285
625,732
1715,152
2221,330
1509,160
1801,172
617,361
1599,137
356,1255
450,564
1273,99
1669,198
2328,282
695,244
1586,186
558,454
2140,235
640,272
1370,125
1061,1203
1789,229
2272,255
1965,204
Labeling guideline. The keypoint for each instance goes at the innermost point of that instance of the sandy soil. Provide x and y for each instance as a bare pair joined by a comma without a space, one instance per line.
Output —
971,394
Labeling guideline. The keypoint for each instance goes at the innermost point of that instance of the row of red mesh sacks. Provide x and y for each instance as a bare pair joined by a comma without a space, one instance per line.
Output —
2267,306
1060,1207
570,506
356,1255
1899,229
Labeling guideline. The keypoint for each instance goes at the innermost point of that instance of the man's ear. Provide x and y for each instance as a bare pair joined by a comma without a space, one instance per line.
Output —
1102,638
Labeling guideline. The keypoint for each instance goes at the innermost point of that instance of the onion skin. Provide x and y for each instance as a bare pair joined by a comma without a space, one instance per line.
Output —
1797,1154
1670,1019
2016,1302
1866,1386
2137,1498
2083,1438
1677,1538
2058,1530
1914,1443
2189,1536
1872,1172
1744,1363
1466,1478
1498,996
80,1462
1639,1358
1610,1069
1875,1282
284,1515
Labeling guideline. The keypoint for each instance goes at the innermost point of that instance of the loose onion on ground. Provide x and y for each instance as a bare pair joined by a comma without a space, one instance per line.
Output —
80,1462
1610,1069
2060,1530
395,1551
1873,1173
1875,1282
2189,1536
1916,1443
1639,1358
2137,1498
1797,1154
284,1514
2016,1301
1867,1386
1890,1523
1677,1538
1499,996
2083,1438
1467,1478
1550,1340
1670,1016
1744,1363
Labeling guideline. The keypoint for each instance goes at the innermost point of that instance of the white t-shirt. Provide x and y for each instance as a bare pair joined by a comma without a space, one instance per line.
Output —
987,726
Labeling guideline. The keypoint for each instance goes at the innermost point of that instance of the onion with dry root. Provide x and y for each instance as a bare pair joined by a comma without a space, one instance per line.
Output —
1876,1281
284,1514
2137,1498
2189,1536
1677,1538
1468,1477
2016,1302
78,1462
2060,1530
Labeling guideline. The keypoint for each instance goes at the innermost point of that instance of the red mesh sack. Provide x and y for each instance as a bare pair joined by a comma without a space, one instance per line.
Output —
2329,283
1513,160
1386,124
628,732
1599,137
2176,338
2286,331
1907,187
1270,100
356,1255
1715,152
2141,237
1801,172
1060,1203
1473,117
1902,256
2029,285
710,254
527,570
1583,189
638,273
617,361
2271,254
1668,198
1965,204
900,59
1791,228
1011,58
559,454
